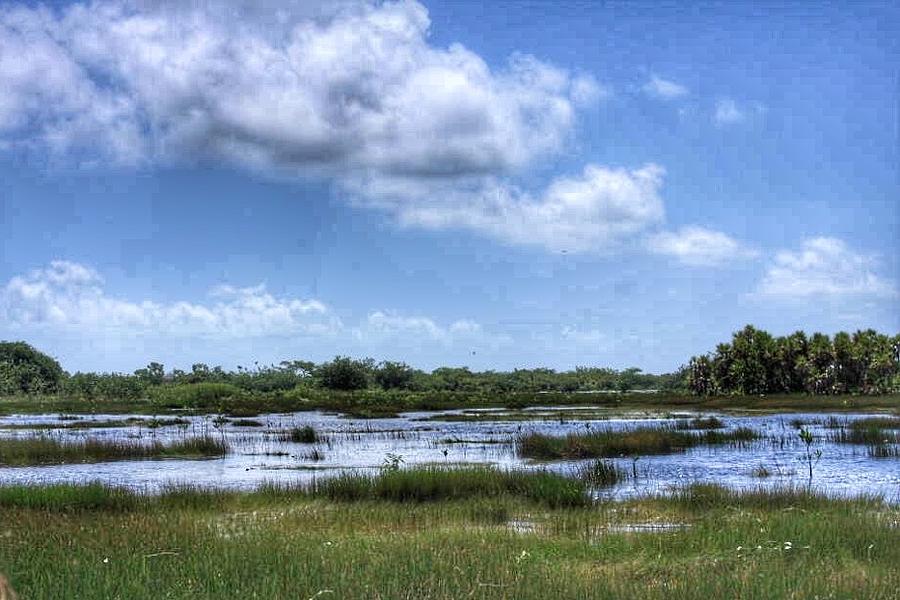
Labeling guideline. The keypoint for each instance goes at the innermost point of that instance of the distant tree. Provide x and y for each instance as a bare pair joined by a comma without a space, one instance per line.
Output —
23,369
344,373
394,375
153,374
700,377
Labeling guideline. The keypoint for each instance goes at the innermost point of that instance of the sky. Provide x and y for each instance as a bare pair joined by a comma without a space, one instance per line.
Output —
496,185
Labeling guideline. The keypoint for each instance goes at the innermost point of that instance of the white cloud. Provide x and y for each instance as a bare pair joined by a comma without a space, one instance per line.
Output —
824,268
727,112
356,88
389,324
699,247
594,211
352,93
71,296
664,88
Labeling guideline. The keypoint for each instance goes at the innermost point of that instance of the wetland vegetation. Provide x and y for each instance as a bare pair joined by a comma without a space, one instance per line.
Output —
464,536
48,450
591,483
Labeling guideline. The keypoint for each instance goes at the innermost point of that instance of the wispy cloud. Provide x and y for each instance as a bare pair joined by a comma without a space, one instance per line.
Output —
824,267
69,297
664,88
72,296
727,112
699,247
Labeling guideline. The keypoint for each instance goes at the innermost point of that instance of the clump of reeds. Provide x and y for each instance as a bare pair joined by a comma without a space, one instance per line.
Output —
50,450
700,423
630,442
601,473
883,451
871,431
761,471
301,435
428,484
157,423
316,455
247,423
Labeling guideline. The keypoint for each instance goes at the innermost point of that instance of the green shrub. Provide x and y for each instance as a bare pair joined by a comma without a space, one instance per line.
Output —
25,370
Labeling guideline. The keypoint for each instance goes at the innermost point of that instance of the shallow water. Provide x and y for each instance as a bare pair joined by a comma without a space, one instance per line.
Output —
257,455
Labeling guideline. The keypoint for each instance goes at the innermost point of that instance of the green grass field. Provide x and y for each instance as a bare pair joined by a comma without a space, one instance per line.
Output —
470,536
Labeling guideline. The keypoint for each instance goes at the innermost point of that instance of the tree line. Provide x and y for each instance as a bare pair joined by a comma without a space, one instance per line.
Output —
25,370
755,362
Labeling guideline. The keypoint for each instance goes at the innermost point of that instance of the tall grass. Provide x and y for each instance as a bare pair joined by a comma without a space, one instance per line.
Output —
602,473
190,543
639,441
45,450
430,484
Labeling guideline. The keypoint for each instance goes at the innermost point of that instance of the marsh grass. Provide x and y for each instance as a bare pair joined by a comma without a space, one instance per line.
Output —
47,450
761,472
700,423
602,473
631,442
871,431
247,423
883,451
301,435
373,404
279,544
431,484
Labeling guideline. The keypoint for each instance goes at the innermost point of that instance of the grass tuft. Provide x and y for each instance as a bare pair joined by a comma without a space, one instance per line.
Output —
430,484
47,450
632,442
301,435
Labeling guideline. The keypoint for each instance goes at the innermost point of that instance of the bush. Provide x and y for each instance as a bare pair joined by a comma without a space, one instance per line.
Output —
25,370
344,373
394,375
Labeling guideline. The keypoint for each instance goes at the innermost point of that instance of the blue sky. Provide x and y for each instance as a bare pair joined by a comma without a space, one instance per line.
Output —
496,185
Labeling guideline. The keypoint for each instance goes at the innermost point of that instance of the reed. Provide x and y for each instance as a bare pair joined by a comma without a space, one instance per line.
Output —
45,450
631,442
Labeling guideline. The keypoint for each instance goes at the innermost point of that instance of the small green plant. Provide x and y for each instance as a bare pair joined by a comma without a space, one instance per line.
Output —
807,438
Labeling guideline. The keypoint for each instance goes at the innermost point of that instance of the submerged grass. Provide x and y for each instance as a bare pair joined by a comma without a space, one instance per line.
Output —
92,542
47,450
631,442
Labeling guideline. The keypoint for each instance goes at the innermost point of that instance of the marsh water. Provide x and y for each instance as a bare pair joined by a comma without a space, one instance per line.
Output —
487,437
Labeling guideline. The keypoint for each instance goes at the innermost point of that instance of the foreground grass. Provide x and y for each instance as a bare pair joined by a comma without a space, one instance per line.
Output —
640,441
94,542
47,450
